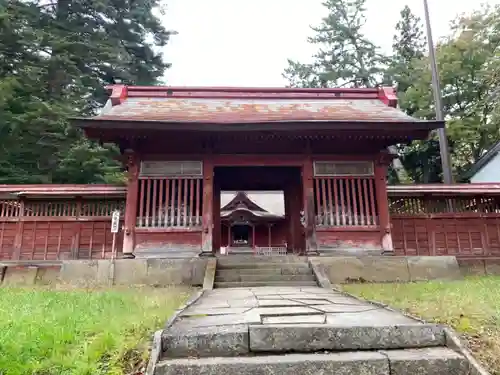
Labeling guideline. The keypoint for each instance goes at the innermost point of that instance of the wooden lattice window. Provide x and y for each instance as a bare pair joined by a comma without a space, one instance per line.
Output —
171,168
343,168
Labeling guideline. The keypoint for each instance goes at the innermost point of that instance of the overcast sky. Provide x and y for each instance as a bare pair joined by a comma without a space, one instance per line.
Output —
247,43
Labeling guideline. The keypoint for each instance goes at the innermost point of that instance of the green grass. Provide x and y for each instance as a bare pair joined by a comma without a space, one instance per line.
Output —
48,332
471,306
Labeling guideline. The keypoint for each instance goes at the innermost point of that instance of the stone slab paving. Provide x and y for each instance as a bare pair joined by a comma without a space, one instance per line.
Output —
301,330
232,322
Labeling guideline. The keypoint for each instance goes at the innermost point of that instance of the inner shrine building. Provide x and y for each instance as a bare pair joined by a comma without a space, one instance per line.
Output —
323,150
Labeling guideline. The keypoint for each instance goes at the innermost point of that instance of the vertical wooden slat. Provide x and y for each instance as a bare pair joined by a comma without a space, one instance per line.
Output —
361,201
471,246
319,205
46,248
326,216
354,200
405,242
445,238
2,208
371,190
105,242
160,204
148,203
33,244
367,202
59,241
1,236
415,233
198,183
341,189
141,202
330,201
155,205
185,202
347,182
458,236
191,201
91,239
336,197
167,200
179,201
172,205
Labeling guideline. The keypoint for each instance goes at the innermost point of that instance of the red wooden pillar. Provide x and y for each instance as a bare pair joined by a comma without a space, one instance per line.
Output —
253,238
269,235
290,222
18,240
217,223
131,204
308,204
77,228
207,208
383,202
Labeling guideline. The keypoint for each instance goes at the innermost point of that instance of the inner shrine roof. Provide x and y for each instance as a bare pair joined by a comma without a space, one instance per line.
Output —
251,105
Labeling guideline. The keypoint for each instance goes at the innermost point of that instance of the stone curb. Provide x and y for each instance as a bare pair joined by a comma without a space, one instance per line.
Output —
452,340
154,357
209,279
157,347
320,275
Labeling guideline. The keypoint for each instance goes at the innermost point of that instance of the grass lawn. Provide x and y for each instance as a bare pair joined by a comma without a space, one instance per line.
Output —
47,332
470,306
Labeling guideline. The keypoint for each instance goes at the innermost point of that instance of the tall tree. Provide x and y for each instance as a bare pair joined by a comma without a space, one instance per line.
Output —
55,59
408,45
345,57
466,61
418,158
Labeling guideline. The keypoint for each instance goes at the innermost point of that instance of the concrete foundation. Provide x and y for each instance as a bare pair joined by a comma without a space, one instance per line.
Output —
233,271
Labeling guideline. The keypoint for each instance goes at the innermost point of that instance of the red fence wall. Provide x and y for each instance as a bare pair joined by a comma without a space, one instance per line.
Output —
466,226
52,229
447,235
74,222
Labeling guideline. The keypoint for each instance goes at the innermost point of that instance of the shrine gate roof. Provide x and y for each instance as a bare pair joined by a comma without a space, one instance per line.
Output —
227,105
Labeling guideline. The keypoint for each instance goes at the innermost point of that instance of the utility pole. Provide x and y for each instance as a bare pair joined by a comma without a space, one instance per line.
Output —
438,103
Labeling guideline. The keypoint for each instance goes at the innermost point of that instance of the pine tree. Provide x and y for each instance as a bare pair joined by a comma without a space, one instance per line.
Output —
55,59
346,57
408,45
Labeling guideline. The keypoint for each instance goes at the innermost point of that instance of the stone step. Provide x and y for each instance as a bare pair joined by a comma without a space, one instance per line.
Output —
255,260
435,361
263,277
303,338
260,265
253,284
239,339
265,271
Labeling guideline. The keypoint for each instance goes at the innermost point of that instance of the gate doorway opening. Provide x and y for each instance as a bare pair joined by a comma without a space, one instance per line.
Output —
240,235
257,210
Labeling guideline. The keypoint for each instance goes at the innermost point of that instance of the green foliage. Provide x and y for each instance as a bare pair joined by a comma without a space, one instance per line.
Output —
465,63
470,306
80,332
55,59
469,68
346,57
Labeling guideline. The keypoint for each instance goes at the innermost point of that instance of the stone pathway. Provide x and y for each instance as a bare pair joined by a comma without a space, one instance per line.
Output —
301,330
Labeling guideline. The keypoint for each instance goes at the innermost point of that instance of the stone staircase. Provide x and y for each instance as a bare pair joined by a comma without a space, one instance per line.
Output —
306,330
237,271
